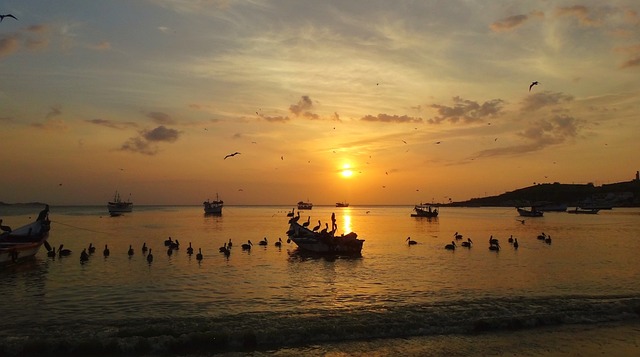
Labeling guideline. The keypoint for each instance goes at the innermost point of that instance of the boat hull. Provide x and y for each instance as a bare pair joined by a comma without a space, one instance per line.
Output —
324,243
24,242
213,208
305,205
584,211
529,213
424,211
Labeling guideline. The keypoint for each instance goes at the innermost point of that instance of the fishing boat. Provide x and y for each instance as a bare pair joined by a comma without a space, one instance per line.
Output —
342,204
118,206
305,205
24,242
424,210
213,207
323,242
533,212
580,210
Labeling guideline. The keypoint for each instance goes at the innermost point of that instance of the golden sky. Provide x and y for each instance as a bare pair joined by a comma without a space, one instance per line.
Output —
421,101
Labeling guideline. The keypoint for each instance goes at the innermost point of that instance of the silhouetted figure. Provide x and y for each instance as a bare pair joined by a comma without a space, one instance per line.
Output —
4,228
44,214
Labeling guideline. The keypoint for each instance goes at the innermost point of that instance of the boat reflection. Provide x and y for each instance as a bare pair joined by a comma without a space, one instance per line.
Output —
297,255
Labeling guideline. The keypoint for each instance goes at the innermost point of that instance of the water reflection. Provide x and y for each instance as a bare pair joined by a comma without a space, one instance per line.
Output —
346,220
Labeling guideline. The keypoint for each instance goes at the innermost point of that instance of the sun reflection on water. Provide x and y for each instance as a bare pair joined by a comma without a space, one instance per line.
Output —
346,220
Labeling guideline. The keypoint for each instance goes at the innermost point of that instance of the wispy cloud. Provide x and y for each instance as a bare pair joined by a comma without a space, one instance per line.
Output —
540,100
515,21
54,112
386,118
538,135
144,143
580,12
161,118
467,111
303,108
9,45
112,124
51,124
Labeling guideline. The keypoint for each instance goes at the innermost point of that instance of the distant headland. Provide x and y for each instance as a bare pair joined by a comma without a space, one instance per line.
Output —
22,204
621,194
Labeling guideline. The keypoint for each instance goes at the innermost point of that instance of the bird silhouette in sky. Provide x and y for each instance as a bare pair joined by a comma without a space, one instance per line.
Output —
7,15
234,154
533,84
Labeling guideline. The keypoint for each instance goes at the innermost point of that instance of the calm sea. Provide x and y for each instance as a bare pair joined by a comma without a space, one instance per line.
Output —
276,301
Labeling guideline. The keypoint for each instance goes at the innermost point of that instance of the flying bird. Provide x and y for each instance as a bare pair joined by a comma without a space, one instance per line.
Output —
234,154
7,15
533,84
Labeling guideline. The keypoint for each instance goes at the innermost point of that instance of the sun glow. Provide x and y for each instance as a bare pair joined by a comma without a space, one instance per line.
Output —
346,171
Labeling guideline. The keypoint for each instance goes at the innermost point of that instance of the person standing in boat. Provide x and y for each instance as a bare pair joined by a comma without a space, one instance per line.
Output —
334,226
44,214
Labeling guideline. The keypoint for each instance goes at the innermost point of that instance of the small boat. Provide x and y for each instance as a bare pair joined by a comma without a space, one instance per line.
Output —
24,242
324,242
118,206
424,210
533,212
305,205
342,204
213,207
580,210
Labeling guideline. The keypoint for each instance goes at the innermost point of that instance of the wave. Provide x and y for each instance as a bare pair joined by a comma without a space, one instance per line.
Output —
266,330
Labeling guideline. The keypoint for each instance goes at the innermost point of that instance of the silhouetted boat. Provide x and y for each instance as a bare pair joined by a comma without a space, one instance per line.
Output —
533,212
118,206
305,205
342,204
324,242
24,242
578,210
213,207
424,210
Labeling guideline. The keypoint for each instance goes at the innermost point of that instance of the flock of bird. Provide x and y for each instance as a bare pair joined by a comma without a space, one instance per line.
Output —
494,243
171,245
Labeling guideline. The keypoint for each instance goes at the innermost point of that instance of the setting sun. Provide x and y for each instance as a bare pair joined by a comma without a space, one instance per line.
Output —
346,171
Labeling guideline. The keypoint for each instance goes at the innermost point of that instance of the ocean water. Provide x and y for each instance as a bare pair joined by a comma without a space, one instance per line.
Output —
278,301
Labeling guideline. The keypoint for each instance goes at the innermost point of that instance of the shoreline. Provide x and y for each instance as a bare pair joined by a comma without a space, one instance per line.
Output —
605,339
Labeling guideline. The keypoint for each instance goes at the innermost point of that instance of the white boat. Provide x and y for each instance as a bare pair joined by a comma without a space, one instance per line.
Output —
305,205
213,207
580,210
323,242
24,242
118,206
423,210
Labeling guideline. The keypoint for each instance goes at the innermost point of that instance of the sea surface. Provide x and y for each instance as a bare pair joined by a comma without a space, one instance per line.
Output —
394,299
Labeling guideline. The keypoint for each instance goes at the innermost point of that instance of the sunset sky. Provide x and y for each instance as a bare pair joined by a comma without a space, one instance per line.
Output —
418,101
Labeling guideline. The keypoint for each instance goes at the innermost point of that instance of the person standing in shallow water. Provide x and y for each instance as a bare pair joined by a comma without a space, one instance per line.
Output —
44,214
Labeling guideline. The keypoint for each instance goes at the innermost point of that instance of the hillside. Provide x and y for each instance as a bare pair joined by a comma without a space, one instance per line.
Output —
622,194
